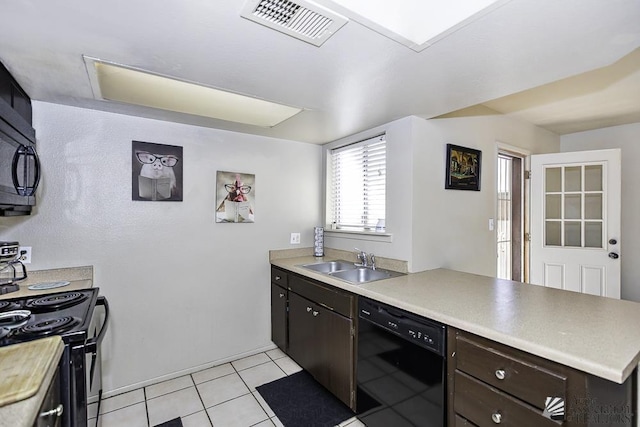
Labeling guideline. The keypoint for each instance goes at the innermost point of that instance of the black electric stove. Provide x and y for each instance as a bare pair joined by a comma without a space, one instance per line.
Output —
67,314
71,315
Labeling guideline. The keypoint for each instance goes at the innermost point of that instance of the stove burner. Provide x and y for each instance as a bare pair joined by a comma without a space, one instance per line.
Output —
50,326
8,305
55,301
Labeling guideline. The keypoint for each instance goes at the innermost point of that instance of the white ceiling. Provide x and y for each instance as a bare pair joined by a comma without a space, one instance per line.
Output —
356,80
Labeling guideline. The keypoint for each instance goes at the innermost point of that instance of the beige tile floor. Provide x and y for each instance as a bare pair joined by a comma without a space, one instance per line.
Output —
222,396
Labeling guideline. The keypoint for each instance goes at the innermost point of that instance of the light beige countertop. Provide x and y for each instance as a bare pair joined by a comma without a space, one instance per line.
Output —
78,278
40,355
593,334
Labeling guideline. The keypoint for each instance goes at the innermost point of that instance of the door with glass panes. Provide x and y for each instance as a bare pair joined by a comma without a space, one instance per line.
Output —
575,221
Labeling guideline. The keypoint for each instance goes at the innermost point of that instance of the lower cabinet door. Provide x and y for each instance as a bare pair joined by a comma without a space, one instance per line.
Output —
338,373
305,346
322,342
279,316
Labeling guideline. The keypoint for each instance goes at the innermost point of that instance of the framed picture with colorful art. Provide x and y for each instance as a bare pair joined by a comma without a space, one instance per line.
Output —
463,168
235,197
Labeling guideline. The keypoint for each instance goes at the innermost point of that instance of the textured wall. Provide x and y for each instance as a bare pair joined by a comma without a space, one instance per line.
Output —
184,290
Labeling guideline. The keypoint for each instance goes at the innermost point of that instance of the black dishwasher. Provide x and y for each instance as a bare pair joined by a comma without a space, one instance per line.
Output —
401,367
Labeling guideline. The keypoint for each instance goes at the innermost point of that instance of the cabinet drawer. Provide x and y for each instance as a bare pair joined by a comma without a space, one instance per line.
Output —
461,422
509,371
339,302
486,406
279,276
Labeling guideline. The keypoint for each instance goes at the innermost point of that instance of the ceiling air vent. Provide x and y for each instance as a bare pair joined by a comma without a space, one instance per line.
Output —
306,21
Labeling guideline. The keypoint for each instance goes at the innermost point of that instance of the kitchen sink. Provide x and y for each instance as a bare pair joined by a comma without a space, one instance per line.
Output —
330,266
349,272
363,275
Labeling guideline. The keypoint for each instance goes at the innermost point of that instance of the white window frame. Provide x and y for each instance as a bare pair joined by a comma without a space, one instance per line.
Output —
365,230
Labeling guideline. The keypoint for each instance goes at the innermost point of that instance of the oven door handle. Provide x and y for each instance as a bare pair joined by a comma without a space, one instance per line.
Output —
92,344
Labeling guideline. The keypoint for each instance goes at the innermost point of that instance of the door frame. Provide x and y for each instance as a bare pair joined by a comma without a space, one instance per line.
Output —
525,156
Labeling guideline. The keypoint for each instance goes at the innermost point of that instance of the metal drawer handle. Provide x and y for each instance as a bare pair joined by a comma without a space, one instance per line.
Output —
281,295
496,417
308,309
315,313
277,277
500,374
57,411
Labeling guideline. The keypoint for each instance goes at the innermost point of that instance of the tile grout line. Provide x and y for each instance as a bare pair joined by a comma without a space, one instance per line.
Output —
249,388
146,407
202,401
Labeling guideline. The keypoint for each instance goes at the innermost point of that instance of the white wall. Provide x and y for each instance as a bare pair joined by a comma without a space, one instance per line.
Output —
627,138
399,190
450,227
184,290
433,227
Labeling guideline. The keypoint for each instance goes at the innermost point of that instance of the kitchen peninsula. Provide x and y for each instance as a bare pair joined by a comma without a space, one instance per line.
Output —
590,334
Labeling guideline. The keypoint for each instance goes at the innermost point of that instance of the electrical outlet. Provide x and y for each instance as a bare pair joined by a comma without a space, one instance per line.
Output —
295,238
25,254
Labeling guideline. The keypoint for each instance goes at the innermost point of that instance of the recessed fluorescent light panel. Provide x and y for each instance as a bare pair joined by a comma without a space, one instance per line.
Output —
115,82
415,23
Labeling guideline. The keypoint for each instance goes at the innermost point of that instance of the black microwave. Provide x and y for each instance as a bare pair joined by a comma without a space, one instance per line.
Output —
19,164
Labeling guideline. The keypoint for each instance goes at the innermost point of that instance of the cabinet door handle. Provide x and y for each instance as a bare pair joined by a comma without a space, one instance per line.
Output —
496,417
500,374
315,313
57,411
277,277
308,309
281,295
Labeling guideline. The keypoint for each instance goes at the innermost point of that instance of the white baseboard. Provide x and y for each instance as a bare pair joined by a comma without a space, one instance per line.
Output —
170,376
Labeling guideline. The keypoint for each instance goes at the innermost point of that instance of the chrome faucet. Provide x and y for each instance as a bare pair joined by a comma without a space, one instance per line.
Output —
363,261
362,258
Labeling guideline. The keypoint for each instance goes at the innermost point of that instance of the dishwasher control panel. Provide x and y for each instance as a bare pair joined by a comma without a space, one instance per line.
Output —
424,332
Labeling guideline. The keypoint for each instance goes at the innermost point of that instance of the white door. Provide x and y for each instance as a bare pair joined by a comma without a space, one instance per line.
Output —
575,221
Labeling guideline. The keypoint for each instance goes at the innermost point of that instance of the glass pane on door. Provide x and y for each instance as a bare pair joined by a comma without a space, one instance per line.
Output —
593,178
574,206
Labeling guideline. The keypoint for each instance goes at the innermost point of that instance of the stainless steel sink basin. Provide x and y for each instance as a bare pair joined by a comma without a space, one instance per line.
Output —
363,275
349,272
330,266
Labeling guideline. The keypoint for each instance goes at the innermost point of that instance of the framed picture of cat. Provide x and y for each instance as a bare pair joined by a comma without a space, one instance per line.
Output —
156,172
235,197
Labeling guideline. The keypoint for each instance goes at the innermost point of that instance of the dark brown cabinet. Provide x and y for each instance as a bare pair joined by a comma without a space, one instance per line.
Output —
322,342
14,96
490,383
279,307
279,316
320,332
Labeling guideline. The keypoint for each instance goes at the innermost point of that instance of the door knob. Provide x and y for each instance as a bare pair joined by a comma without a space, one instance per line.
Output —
613,255
613,241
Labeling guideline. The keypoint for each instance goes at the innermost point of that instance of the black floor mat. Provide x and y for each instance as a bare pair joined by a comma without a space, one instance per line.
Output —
299,400
176,422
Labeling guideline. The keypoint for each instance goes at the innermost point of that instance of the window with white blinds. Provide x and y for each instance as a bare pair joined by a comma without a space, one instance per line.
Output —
358,185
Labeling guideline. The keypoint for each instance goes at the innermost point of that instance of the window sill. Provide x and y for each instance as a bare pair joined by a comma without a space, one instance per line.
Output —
360,235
